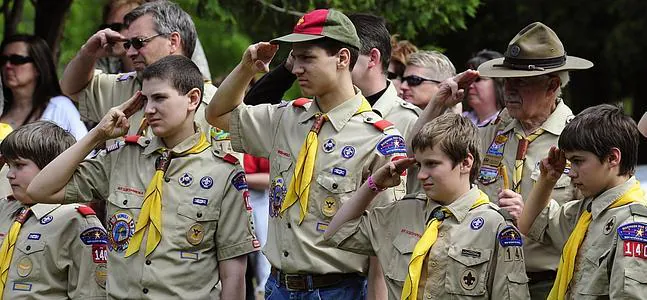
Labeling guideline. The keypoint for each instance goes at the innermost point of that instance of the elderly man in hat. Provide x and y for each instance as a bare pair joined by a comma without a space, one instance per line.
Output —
535,69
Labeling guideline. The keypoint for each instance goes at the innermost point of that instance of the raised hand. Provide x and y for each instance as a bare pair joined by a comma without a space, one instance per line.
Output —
389,175
552,167
259,56
451,91
512,202
115,122
101,43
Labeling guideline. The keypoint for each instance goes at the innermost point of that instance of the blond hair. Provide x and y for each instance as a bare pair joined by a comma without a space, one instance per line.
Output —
438,64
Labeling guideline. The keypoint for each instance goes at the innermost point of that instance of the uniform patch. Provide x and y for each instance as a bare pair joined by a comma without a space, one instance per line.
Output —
277,194
21,286
33,236
46,219
391,144
509,236
348,152
94,236
470,253
513,253
189,255
100,275
339,171
477,223
130,190
200,201
246,195
99,254
126,76
206,182
218,134
321,227
121,227
186,179
633,232
488,174
24,266
283,153
634,249
239,181
195,234
329,207
608,226
328,146
113,147
469,279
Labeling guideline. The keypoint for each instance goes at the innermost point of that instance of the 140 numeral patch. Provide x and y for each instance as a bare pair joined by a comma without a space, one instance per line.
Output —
99,254
635,249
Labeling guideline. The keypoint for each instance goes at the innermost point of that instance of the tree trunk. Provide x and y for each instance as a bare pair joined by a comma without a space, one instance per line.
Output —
12,16
50,18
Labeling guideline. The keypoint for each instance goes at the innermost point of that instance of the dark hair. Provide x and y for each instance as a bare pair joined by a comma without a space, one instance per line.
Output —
179,71
599,128
40,142
47,85
115,4
168,17
473,64
372,33
333,46
456,135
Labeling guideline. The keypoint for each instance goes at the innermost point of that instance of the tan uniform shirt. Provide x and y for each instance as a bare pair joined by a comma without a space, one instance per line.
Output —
59,254
350,147
539,257
611,262
468,260
205,218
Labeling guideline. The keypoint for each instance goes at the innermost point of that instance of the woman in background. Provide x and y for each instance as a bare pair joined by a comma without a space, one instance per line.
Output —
484,99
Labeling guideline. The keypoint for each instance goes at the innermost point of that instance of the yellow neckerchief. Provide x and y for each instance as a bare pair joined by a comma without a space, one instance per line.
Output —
567,262
151,212
522,148
8,245
299,188
410,289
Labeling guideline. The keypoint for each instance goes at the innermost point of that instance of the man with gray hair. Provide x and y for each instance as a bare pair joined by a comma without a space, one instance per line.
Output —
155,30
425,70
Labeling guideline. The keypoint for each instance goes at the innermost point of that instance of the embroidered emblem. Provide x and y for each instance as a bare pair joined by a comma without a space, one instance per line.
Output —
35,236
239,181
195,234
206,182
477,223
24,266
46,219
121,228
94,235
329,207
515,50
246,195
348,152
328,146
283,153
99,254
470,253
608,226
189,255
277,194
218,134
633,232
391,144
200,201
509,236
100,275
469,280
113,147
321,227
22,286
488,175
339,171
185,180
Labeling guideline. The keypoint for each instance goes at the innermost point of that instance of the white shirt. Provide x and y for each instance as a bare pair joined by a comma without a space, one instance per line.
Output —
62,111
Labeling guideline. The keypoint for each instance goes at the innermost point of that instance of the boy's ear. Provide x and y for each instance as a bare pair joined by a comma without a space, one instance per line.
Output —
194,98
614,157
466,164
343,58
375,58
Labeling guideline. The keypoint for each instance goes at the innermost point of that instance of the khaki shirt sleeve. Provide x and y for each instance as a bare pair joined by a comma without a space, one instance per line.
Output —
253,128
354,236
98,96
628,277
509,280
91,179
235,234
89,260
555,223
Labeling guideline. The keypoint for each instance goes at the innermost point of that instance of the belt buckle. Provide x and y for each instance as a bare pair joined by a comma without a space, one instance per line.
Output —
294,278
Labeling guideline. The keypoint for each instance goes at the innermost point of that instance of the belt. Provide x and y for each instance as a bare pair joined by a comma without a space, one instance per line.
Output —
535,277
305,282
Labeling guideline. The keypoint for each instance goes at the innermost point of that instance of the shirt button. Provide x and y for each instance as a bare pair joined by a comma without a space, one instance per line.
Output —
125,202
148,262
289,225
285,253
145,291
334,185
167,179
442,234
199,215
28,247
428,296
147,142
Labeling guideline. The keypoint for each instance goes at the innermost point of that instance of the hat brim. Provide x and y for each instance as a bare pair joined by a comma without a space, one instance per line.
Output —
493,68
296,38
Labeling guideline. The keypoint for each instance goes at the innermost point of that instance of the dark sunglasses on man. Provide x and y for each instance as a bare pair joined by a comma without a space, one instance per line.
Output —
392,76
413,80
113,26
138,42
15,59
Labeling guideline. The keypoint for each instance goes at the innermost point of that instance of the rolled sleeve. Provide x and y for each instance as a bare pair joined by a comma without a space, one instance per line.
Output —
353,236
253,129
555,223
90,180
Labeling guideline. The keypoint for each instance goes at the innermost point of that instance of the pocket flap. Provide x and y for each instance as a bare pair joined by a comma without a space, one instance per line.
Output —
637,275
31,246
126,201
405,243
518,277
596,255
469,256
196,212
337,184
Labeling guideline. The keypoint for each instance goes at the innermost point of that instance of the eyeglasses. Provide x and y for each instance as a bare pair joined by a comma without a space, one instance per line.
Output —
524,81
113,26
392,76
138,43
15,59
413,80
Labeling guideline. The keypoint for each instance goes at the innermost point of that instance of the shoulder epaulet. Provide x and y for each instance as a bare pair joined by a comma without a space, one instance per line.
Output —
495,121
301,102
126,76
383,125
638,209
506,215
136,140
85,210
410,106
415,196
230,159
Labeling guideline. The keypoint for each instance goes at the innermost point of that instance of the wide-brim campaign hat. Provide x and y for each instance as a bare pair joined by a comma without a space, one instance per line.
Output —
322,23
535,50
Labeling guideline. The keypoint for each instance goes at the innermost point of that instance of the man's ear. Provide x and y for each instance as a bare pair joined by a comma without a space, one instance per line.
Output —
176,43
343,60
375,58
553,84
194,98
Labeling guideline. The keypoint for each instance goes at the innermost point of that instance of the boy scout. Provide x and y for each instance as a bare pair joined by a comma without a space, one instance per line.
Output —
338,128
602,235
49,251
177,213
449,242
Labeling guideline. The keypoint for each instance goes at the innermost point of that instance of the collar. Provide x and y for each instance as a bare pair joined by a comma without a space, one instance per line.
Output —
554,124
157,143
600,203
384,105
40,210
460,207
339,115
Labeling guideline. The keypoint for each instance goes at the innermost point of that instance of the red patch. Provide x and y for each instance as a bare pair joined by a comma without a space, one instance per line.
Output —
383,125
230,159
283,153
246,199
312,23
85,210
132,139
130,190
301,102
409,232
99,253
635,249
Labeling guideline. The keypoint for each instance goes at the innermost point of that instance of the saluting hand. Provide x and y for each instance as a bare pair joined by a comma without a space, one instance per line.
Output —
115,122
552,167
100,44
451,91
258,56
389,175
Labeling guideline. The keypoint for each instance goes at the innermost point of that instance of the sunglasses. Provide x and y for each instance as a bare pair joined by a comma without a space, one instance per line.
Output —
138,43
15,59
113,26
413,80
392,76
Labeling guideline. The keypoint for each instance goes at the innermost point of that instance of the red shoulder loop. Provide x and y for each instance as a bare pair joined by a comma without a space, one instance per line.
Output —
85,210
131,139
383,125
230,159
301,102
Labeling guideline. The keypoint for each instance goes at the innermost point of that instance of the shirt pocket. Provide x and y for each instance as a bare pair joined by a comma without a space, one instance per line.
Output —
595,278
403,245
467,275
635,281
121,216
517,285
336,191
196,225
28,259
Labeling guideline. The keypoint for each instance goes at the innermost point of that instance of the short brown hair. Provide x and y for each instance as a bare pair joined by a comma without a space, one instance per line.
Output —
457,137
40,142
599,128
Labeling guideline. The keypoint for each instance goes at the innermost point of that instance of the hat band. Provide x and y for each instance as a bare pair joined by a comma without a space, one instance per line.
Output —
533,64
